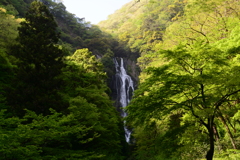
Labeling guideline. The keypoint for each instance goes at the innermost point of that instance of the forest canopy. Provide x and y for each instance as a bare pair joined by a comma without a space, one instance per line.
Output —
54,104
186,103
56,69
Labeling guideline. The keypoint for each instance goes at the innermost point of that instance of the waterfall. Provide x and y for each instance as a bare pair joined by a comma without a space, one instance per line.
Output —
124,87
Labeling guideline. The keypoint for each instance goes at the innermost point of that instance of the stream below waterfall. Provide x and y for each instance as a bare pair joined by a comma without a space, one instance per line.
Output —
124,86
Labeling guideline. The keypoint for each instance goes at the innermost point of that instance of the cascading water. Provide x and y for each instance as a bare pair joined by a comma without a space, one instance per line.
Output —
124,87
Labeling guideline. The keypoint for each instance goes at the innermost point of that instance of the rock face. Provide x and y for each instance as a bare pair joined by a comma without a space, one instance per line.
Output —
123,88
133,71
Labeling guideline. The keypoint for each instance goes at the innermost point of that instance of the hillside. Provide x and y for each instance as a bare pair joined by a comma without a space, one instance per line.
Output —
54,99
140,25
186,104
55,103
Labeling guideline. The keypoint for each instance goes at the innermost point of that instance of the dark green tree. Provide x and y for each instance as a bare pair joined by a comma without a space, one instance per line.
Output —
40,61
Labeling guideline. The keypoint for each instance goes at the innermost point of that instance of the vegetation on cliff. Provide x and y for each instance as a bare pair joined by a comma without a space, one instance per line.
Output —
54,99
186,105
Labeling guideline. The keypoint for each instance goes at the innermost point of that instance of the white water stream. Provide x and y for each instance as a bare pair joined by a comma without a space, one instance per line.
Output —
124,91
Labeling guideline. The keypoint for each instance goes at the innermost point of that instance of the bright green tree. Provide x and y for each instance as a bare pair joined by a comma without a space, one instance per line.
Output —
8,33
86,82
8,29
194,84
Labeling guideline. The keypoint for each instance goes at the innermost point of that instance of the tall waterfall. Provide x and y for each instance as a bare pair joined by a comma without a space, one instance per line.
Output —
124,87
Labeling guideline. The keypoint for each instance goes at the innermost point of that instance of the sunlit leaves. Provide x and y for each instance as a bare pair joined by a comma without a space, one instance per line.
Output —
204,20
193,82
86,93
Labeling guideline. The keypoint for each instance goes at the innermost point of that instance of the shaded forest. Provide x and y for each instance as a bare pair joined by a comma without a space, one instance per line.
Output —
54,97
56,73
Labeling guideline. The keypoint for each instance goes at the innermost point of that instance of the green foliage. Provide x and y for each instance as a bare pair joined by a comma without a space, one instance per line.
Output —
107,61
39,64
44,137
8,29
195,83
76,33
8,32
5,76
85,83
83,123
20,5
192,72
203,20
141,25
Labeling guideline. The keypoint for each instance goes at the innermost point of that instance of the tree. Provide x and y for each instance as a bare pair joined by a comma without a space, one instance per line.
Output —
40,61
85,82
210,20
8,29
193,83
53,136
8,34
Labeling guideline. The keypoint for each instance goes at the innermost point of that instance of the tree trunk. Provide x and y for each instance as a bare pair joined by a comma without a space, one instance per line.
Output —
210,152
